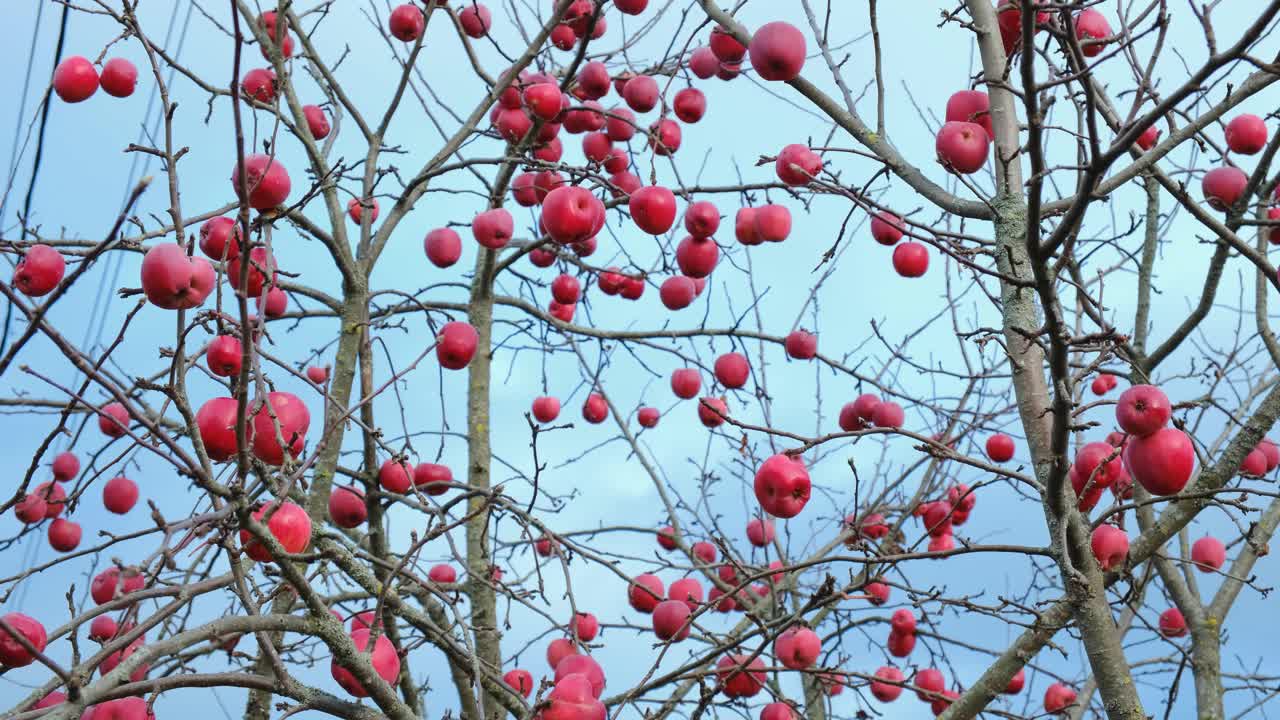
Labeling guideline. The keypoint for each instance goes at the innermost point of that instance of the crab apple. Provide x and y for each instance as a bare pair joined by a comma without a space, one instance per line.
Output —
705,552
690,105
701,219
1058,697
1000,448
595,409
911,259
732,370
1161,462
738,677
777,51
645,593
772,223
888,415
64,535
259,84
929,680
383,657
220,238
963,147
632,288
475,20
677,292
1172,624
877,592
443,247
712,411
797,648
703,62
174,281
760,532
801,345
641,93
1089,464
697,257
281,413
103,628
782,486
665,137
456,344
1208,554
433,478
686,590
12,652
119,495
566,289
75,79
1110,546
317,121
887,686
796,164
113,420
1246,134
266,179
653,209
66,466
571,214
39,271
886,228
725,47
973,106
406,23
216,421
119,77
1223,186
289,525
542,257
347,508
1142,410
443,574
546,409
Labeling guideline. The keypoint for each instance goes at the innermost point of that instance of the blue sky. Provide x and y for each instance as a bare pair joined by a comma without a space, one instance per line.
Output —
85,174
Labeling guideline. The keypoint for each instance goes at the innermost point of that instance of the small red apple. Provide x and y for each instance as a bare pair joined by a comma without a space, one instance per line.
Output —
347,508
653,208
645,593
443,574
288,524
64,535
777,51
801,345
317,121
39,271
595,409
1091,28
726,48
266,179
406,23
259,84
647,417
963,147
971,106
493,228
1172,624
887,686
888,415
1142,410
475,20
456,344
66,466
911,259
738,677
772,223
119,495
383,657
546,409
223,356
75,79
796,165
1161,462
174,281
220,238
433,478
119,77
782,486
732,370
216,421
886,228
281,416
1000,448
1059,697
1110,546
1208,554
113,420
12,653
690,105
1246,134
1223,186
797,648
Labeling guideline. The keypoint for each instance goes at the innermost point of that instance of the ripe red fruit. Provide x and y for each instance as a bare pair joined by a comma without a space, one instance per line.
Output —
1172,624
558,650
1091,26
667,538
1059,697
281,413
289,525
356,207
493,228
103,628
566,289
347,508
1000,448
1148,138
725,47
778,711
456,344
1273,235
39,271
1089,459
877,594
1103,384
886,228
641,93
119,495
595,409
475,20
1161,462
689,105
119,77
406,23
777,51
929,680
970,106
653,208
1246,134
631,7
274,304
739,678
433,478
220,238
1142,410
66,466
782,486
797,164
704,551
1016,683
732,370
697,257
701,219
113,420
647,417
712,411
584,626
703,62
1110,546
443,247
383,657
888,415
519,680
12,652
760,532
443,574
677,292
564,37
266,179
64,535
911,259
801,345
546,409
669,620
259,84
1269,449
1208,554
963,147
574,696
572,214
174,281
797,648
223,356
903,621
631,288
664,137
1223,186
686,590
686,382
75,79
112,583
888,685
216,421
317,121
645,593
772,223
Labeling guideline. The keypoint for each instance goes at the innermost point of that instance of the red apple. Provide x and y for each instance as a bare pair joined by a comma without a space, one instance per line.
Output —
911,259
64,535
647,417
777,51
782,486
288,524
595,409
456,344
573,697
687,590
778,711
1089,465
433,478
406,23
1000,448
970,106
584,626
39,271
571,214
566,289
677,292
119,495
1246,134
797,165
318,375
760,532
113,420
282,416
1091,27
220,238
664,137
66,466
223,356
1110,546
259,84
519,680
689,105
877,594
317,121
886,228
266,179
1016,683
119,77
383,657
75,79
797,648
1148,138
475,20
546,409
929,680
443,247
701,219
12,652
1142,410
1161,462
103,628
174,281
1172,624
443,574
653,208
888,415
772,223
356,207
645,593
216,421
887,686
1223,186
1059,697
347,508
493,228
963,147
712,411
631,7
738,677
641,93
732,370
631,288
697,257
801,345
726,48
686,382
703,62
1208,554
